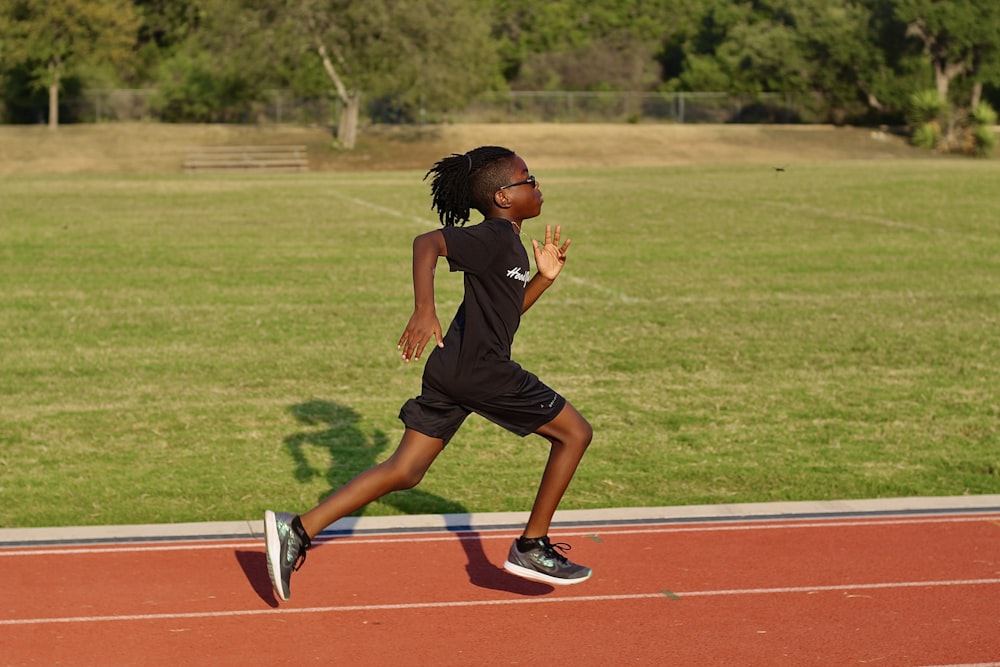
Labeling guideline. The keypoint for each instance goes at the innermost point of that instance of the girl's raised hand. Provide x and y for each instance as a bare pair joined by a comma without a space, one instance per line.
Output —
550,257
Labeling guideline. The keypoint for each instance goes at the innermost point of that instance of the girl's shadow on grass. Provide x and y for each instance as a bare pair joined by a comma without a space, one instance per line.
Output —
333,433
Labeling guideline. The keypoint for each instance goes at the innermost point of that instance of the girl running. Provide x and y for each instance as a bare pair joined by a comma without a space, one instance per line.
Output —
469,368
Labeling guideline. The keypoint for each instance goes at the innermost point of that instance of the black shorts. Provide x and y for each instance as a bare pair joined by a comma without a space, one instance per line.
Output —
522,411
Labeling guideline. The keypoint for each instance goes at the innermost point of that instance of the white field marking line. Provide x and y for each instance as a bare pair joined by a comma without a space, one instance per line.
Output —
885,222
839,297
855,217
618,295
667,595
383,209
444,535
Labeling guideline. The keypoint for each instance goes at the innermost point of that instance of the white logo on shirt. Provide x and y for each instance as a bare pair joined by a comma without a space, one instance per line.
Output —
517,274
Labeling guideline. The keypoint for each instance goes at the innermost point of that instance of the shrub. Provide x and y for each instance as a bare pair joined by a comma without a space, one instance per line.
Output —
925,107
983,115
982,118
984,141
927,135
926,114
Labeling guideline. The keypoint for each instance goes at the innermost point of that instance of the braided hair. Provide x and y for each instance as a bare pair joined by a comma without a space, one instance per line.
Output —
469,180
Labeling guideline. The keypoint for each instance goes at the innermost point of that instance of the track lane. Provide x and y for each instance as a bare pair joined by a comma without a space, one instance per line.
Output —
745,592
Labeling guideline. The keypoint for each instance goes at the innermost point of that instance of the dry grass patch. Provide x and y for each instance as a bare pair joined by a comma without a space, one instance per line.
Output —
161,148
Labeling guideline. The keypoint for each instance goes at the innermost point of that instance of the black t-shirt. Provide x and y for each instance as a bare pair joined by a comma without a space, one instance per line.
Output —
475,360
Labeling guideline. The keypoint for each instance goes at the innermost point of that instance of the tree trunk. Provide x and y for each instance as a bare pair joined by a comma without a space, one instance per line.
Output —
977,94
944,73
347,128
873,101
941,81
53,96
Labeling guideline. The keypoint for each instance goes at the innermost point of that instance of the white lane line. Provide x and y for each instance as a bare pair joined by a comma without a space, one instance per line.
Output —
444,536
842,587
383,209
665,595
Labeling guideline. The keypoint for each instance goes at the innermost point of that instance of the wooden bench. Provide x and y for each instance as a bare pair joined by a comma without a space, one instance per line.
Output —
246,158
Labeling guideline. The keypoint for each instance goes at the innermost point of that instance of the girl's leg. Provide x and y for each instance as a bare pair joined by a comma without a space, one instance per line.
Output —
403,470
570,434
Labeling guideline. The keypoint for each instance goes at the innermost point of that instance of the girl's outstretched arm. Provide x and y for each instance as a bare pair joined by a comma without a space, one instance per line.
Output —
550,258
424,323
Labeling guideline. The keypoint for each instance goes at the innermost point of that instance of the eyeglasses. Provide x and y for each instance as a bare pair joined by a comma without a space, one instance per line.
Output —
530,180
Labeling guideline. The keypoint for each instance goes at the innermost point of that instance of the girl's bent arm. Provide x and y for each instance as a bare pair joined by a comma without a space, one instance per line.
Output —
534,289
426,250
423,324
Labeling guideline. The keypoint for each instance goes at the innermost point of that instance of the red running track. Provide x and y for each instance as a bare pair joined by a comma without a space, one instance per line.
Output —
866,590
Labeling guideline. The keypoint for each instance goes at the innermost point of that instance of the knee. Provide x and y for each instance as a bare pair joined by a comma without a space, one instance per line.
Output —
579,436
586,434
570,431
403,476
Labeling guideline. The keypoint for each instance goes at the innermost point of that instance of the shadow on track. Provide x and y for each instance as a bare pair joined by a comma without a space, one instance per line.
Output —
334,434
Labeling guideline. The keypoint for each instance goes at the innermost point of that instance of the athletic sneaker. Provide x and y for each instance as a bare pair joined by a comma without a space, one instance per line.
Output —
543,562
286,549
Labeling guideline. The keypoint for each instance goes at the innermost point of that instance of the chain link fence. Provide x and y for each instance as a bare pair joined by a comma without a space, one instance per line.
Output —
632,107
133,104
515,106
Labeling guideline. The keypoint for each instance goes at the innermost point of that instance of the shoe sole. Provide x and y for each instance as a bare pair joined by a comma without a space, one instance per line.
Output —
535,575
272,544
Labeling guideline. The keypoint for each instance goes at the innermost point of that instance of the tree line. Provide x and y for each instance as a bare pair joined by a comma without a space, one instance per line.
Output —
931,64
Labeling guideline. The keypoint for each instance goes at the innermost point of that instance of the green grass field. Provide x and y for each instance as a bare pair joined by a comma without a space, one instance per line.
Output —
178,348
